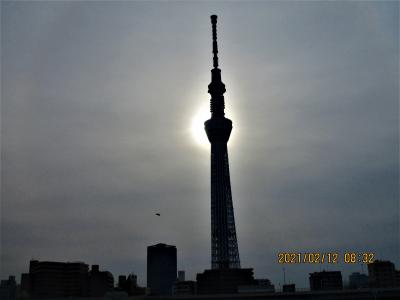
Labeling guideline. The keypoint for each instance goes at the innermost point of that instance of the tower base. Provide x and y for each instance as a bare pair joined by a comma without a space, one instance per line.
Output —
223,281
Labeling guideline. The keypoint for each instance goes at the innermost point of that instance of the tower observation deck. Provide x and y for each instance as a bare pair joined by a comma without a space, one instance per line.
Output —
224,246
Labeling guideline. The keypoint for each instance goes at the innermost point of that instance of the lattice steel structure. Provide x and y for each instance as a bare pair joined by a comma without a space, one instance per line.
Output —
224,246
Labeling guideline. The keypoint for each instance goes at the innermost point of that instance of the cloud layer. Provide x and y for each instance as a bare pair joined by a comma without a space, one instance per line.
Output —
97,100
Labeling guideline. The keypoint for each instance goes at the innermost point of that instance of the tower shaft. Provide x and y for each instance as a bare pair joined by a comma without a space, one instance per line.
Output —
224,246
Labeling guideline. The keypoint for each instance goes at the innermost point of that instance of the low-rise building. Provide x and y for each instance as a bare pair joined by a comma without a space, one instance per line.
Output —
382,273
8,288
259,286
326,280
289,288
358,280
185,287
130,286
100,282
49,279
224,281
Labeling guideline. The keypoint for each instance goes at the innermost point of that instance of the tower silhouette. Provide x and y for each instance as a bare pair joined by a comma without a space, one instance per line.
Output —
224,246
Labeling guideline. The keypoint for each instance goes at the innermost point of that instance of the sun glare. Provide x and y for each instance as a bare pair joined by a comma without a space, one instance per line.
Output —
197,126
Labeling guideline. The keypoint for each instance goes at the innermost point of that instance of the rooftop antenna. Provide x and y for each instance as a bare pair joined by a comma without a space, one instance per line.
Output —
284,276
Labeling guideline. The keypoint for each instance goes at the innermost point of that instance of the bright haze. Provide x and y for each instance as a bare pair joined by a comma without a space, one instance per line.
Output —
100,131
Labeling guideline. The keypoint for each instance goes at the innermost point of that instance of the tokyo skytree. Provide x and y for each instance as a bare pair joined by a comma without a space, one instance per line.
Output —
224,246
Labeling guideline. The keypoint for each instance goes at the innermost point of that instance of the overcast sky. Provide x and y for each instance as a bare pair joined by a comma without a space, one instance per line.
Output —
97,107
